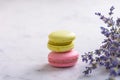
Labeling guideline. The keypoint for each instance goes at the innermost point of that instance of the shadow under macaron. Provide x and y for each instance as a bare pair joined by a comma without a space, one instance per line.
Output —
50,68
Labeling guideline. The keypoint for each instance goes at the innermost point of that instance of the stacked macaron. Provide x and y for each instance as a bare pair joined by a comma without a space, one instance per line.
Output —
61,45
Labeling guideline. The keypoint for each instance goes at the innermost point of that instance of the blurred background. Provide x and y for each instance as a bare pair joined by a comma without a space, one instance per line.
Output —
24,29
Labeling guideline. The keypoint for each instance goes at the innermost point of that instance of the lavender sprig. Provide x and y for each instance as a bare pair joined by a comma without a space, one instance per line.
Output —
111,10
108,55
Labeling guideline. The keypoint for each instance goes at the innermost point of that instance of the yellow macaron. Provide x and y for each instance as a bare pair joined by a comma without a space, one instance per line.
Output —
61,41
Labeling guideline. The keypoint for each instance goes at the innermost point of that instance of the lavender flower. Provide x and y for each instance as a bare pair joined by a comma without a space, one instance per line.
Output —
118,22
108,55
113,72
105,31
109,21
111,10
84,58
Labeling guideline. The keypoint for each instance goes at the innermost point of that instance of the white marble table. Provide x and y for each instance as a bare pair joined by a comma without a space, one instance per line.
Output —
25,25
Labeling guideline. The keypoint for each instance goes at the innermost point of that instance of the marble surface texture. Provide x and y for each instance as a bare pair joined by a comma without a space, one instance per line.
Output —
24,29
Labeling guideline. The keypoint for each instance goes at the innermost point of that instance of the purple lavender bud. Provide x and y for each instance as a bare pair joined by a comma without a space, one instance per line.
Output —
112,8
107,64
119,72
97,13
118,67
114,36
91,60
90,55
86,72
118,50
101,63
103,28
110,13
105,31
115,43
103,58
107,53
110,22
118,22
97,59
97,52
102,17
89,69
105,40
113,49
114,63
113,72
105,46
84,58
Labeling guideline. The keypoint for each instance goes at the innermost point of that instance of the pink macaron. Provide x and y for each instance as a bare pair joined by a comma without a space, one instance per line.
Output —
64,59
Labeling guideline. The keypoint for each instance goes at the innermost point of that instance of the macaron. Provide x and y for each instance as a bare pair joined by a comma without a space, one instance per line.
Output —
61,41
65,59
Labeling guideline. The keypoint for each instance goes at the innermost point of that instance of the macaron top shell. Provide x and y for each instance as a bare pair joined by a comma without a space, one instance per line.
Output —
61,36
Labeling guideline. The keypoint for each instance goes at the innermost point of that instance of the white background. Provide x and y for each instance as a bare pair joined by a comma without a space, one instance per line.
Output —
24,29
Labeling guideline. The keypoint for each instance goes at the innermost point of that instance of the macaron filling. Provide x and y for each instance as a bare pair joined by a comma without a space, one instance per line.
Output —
59,44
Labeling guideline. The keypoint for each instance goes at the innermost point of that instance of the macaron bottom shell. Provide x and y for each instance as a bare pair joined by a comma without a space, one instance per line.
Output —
63,65
58,48
65,59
